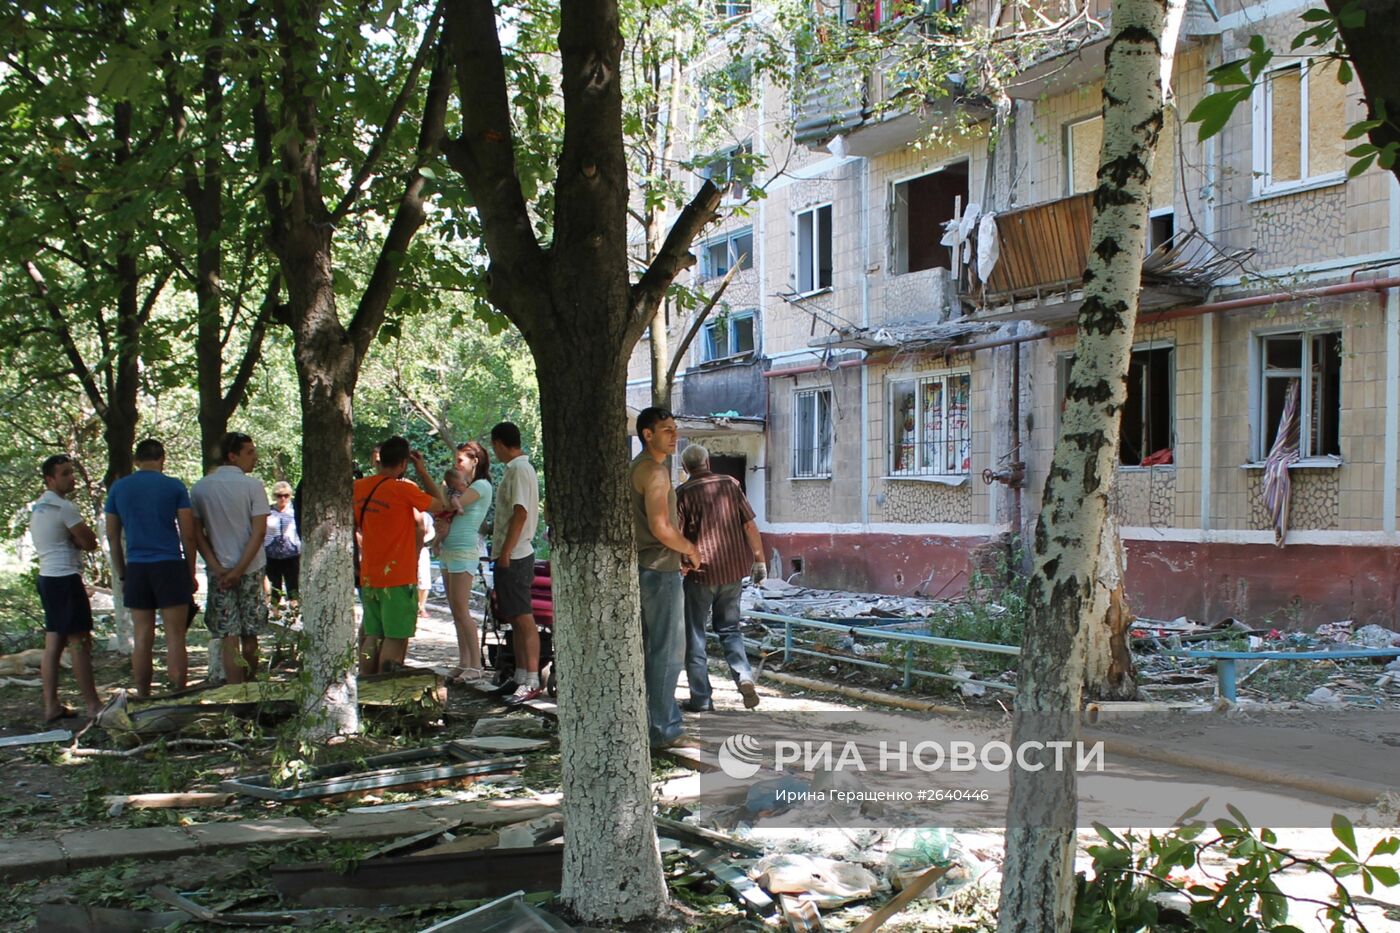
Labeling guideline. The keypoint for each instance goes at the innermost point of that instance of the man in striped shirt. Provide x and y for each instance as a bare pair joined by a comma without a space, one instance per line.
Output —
716,516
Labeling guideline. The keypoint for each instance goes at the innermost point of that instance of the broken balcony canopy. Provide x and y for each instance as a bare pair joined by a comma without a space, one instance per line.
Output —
903,335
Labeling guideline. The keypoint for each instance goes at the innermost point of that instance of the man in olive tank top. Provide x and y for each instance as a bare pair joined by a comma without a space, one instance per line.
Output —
661,551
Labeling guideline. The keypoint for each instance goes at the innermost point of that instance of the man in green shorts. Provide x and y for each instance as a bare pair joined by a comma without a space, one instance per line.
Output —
386,528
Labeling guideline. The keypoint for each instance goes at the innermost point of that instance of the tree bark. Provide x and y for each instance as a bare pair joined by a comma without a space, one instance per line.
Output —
1038,875
1108,662
1371,46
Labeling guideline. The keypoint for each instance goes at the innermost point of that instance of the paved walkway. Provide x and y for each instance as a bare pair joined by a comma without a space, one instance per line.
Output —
47,856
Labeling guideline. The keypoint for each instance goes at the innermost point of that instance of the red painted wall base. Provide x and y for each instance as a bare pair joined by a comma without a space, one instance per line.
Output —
1300,586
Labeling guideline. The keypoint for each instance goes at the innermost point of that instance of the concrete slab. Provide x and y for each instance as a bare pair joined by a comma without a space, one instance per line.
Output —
22,859
253,833
87,848
374,827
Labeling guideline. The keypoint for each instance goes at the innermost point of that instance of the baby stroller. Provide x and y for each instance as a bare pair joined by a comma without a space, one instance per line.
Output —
497,646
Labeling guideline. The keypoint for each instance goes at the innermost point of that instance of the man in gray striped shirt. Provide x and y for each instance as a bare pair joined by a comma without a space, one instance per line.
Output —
716,516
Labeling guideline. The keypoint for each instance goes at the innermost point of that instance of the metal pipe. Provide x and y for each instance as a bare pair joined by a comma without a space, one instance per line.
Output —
1013,650
862,662
1016,454
799,370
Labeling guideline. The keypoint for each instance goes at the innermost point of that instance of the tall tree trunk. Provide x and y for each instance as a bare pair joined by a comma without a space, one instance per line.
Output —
612,863
1038,875
326,372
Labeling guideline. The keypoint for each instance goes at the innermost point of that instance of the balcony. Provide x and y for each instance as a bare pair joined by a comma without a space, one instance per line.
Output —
870,107
1044,249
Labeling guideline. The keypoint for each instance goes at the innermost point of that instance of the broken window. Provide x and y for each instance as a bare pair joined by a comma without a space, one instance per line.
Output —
930,427
1299,123
921,206
731,170
1147,425
1161,227
811,449
1288,357
718,256
1083,140
813,250
1145,429
728,335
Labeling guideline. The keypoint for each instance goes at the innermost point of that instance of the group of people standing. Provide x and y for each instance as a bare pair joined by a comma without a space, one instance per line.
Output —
695,546
395,517
156,529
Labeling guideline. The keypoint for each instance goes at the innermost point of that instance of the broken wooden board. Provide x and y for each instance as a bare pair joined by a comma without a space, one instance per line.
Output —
502,743
37,738
422,767
532,832
411,695
688,833
80,918
119,802
462,844
801,915
422,879
901,900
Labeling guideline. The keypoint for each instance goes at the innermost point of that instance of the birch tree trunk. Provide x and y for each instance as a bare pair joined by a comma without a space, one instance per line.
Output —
1037,892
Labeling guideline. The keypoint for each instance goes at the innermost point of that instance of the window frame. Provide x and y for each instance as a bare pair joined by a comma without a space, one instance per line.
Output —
921,471
898,240
815,270
731,253
1146,347
1068,149
732,9
817,445
1258,401
729,321
732,190
1261,105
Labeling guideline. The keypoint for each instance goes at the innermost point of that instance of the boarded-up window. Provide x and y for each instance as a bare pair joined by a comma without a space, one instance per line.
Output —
1301,120
1083,140
1164,165
1327,120
1285,96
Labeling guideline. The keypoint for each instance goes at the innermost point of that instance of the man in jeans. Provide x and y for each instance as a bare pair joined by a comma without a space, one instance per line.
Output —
513,557
717,517
150,528
231,507
661,550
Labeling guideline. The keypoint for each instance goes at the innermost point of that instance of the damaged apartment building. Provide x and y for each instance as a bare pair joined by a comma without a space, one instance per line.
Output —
888,387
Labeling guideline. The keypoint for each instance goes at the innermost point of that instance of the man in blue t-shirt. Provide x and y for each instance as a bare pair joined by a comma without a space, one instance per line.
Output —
150,528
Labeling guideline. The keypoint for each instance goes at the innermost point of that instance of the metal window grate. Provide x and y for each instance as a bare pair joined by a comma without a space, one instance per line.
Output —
811,452
931,426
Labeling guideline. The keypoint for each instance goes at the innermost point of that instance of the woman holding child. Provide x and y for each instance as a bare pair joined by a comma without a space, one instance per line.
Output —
469,494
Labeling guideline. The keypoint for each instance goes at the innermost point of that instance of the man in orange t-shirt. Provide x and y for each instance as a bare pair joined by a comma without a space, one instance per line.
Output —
386,528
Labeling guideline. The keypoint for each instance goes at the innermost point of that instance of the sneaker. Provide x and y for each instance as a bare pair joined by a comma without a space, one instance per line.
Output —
523,695
690,706
749,692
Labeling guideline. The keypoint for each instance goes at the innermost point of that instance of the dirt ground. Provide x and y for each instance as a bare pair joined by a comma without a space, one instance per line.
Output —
45,793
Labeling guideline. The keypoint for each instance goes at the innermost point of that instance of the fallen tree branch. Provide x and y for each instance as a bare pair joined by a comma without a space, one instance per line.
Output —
174,743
